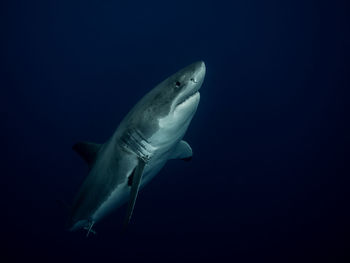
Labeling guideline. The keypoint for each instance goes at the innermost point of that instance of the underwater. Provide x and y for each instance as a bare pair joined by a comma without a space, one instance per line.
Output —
267,167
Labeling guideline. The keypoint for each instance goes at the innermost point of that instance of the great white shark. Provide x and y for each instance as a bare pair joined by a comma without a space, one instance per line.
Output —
149,135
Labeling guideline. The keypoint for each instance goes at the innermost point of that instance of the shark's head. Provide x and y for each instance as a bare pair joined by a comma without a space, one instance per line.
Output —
178,96
165,112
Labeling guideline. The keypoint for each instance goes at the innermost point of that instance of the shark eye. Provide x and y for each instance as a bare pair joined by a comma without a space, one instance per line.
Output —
177,84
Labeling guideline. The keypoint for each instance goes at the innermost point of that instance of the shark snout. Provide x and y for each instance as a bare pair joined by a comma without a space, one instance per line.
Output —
199,66
198,69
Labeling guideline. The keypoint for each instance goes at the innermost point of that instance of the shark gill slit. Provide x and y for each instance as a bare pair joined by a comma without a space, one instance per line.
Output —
137,143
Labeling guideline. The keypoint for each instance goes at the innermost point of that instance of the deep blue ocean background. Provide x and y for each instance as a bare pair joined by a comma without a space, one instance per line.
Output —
270,173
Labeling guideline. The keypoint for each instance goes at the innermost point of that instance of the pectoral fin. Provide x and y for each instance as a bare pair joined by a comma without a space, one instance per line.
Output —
182,151
135,184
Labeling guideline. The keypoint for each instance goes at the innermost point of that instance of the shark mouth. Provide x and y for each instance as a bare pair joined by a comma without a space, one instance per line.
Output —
187,98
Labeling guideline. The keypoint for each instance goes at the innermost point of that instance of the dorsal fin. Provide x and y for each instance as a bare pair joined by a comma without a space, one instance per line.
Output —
87,151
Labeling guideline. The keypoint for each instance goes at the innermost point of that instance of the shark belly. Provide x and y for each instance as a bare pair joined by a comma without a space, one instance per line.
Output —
133,142
120,195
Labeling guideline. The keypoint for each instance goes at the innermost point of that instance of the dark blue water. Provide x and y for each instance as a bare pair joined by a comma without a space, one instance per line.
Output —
270,168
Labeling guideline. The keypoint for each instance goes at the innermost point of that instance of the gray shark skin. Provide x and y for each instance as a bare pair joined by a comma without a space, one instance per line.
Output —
149,135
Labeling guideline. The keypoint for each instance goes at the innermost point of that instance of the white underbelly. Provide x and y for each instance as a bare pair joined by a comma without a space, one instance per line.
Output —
120,194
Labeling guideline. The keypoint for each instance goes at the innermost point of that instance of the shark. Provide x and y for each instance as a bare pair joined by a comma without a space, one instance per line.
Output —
148,136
